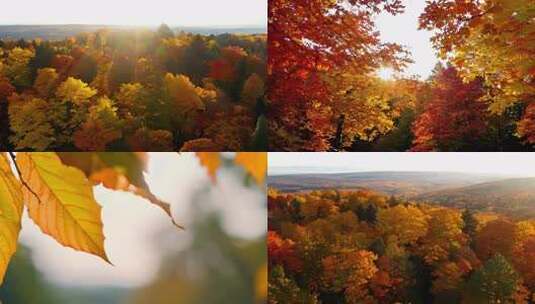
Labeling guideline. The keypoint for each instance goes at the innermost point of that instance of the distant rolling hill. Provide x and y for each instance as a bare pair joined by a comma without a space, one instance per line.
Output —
492,193
514,197
60,32
405,184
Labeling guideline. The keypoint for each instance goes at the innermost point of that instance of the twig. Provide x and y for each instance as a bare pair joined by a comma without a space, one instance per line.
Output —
23,182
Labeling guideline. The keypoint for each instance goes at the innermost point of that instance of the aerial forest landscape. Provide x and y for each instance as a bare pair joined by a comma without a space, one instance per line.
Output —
131,86
401,75
392,231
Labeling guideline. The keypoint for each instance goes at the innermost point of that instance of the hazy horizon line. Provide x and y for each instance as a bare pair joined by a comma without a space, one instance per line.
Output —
140,25
340,170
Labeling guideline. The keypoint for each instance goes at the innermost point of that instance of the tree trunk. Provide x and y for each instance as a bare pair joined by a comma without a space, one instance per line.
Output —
339,138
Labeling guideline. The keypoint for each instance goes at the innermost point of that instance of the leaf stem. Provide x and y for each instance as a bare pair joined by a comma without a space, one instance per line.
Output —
23,182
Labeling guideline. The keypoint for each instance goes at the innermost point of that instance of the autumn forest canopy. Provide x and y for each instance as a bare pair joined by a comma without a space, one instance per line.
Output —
140,90
325,93
349,246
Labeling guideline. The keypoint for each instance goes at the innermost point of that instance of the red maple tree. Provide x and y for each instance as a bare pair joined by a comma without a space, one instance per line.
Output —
453,118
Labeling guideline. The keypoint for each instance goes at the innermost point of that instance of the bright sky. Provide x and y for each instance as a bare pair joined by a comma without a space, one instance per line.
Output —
403,29
132,226
136,12
521,164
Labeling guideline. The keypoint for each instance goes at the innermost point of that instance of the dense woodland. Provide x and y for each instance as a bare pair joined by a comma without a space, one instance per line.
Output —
134,90
334,246
324,92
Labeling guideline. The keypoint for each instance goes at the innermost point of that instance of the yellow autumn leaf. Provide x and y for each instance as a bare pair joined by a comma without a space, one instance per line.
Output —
211,161
10,214
255,163
62,205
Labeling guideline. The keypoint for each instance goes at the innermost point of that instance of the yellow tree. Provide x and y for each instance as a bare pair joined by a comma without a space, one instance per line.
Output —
408,223
444,235
349,272
316,207
359,106
524,251
132,98
75,91
184,95
29,119
69,109
101,127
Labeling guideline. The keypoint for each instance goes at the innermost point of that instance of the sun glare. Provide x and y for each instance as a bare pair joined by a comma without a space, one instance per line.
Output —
386,73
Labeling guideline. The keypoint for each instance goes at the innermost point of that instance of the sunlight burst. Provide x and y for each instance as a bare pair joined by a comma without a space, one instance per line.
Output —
386,73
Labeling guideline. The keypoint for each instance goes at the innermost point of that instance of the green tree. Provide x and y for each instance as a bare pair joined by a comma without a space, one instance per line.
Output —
259,140
469,225
44,54
194,60
85,68
283,289
494,283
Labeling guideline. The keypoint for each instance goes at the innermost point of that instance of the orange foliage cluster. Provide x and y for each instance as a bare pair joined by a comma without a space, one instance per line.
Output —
283,252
